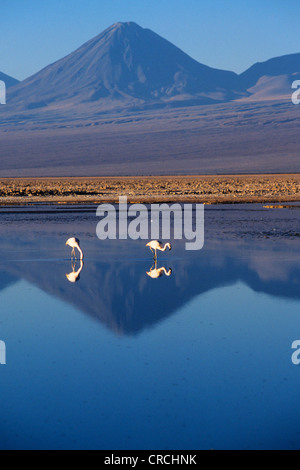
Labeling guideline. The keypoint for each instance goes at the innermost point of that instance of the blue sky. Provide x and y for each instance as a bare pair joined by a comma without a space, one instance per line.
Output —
227,34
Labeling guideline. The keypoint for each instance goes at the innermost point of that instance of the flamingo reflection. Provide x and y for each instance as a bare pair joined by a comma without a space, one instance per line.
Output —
74,276
156,272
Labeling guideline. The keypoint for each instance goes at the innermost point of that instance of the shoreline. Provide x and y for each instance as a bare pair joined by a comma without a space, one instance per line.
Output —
205,189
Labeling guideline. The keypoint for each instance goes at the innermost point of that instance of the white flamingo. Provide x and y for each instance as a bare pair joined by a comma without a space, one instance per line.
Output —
155,245
75,243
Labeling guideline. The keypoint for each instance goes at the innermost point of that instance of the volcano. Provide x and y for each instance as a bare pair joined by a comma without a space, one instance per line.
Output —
126,65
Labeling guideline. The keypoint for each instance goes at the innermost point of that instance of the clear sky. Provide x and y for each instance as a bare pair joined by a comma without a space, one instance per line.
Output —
227,34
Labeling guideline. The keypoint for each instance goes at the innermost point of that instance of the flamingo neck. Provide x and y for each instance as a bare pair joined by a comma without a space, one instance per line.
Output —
81,253
167,273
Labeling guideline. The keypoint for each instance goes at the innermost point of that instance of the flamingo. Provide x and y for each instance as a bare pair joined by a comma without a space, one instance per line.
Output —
155,245
75,243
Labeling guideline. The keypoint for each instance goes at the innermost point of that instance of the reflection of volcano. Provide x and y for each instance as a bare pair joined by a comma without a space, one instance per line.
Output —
114,286
123,297
6,279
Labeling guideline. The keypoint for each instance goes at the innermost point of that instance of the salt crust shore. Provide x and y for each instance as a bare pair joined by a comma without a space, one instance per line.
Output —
215,189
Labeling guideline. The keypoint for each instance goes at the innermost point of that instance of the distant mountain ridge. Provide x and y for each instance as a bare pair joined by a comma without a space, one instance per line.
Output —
271,79
278,66
129,67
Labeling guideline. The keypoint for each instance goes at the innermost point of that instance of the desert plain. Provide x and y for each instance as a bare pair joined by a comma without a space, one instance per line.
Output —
212,189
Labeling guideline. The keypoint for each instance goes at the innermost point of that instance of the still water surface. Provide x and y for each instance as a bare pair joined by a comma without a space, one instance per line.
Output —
199,359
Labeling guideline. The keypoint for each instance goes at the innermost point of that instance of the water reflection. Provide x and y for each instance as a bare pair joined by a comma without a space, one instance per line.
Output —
200,359
115,290
156,273
74,276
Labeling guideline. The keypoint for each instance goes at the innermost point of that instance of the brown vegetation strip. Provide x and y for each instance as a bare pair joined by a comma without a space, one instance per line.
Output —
201,189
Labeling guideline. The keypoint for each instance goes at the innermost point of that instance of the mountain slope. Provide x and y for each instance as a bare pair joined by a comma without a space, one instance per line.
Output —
9,81
271,79
278,66
125,65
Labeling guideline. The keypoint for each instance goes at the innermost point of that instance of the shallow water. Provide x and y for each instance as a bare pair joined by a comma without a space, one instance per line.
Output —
197,360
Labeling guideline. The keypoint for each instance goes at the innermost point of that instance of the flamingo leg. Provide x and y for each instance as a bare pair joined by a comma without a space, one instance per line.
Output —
152,250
